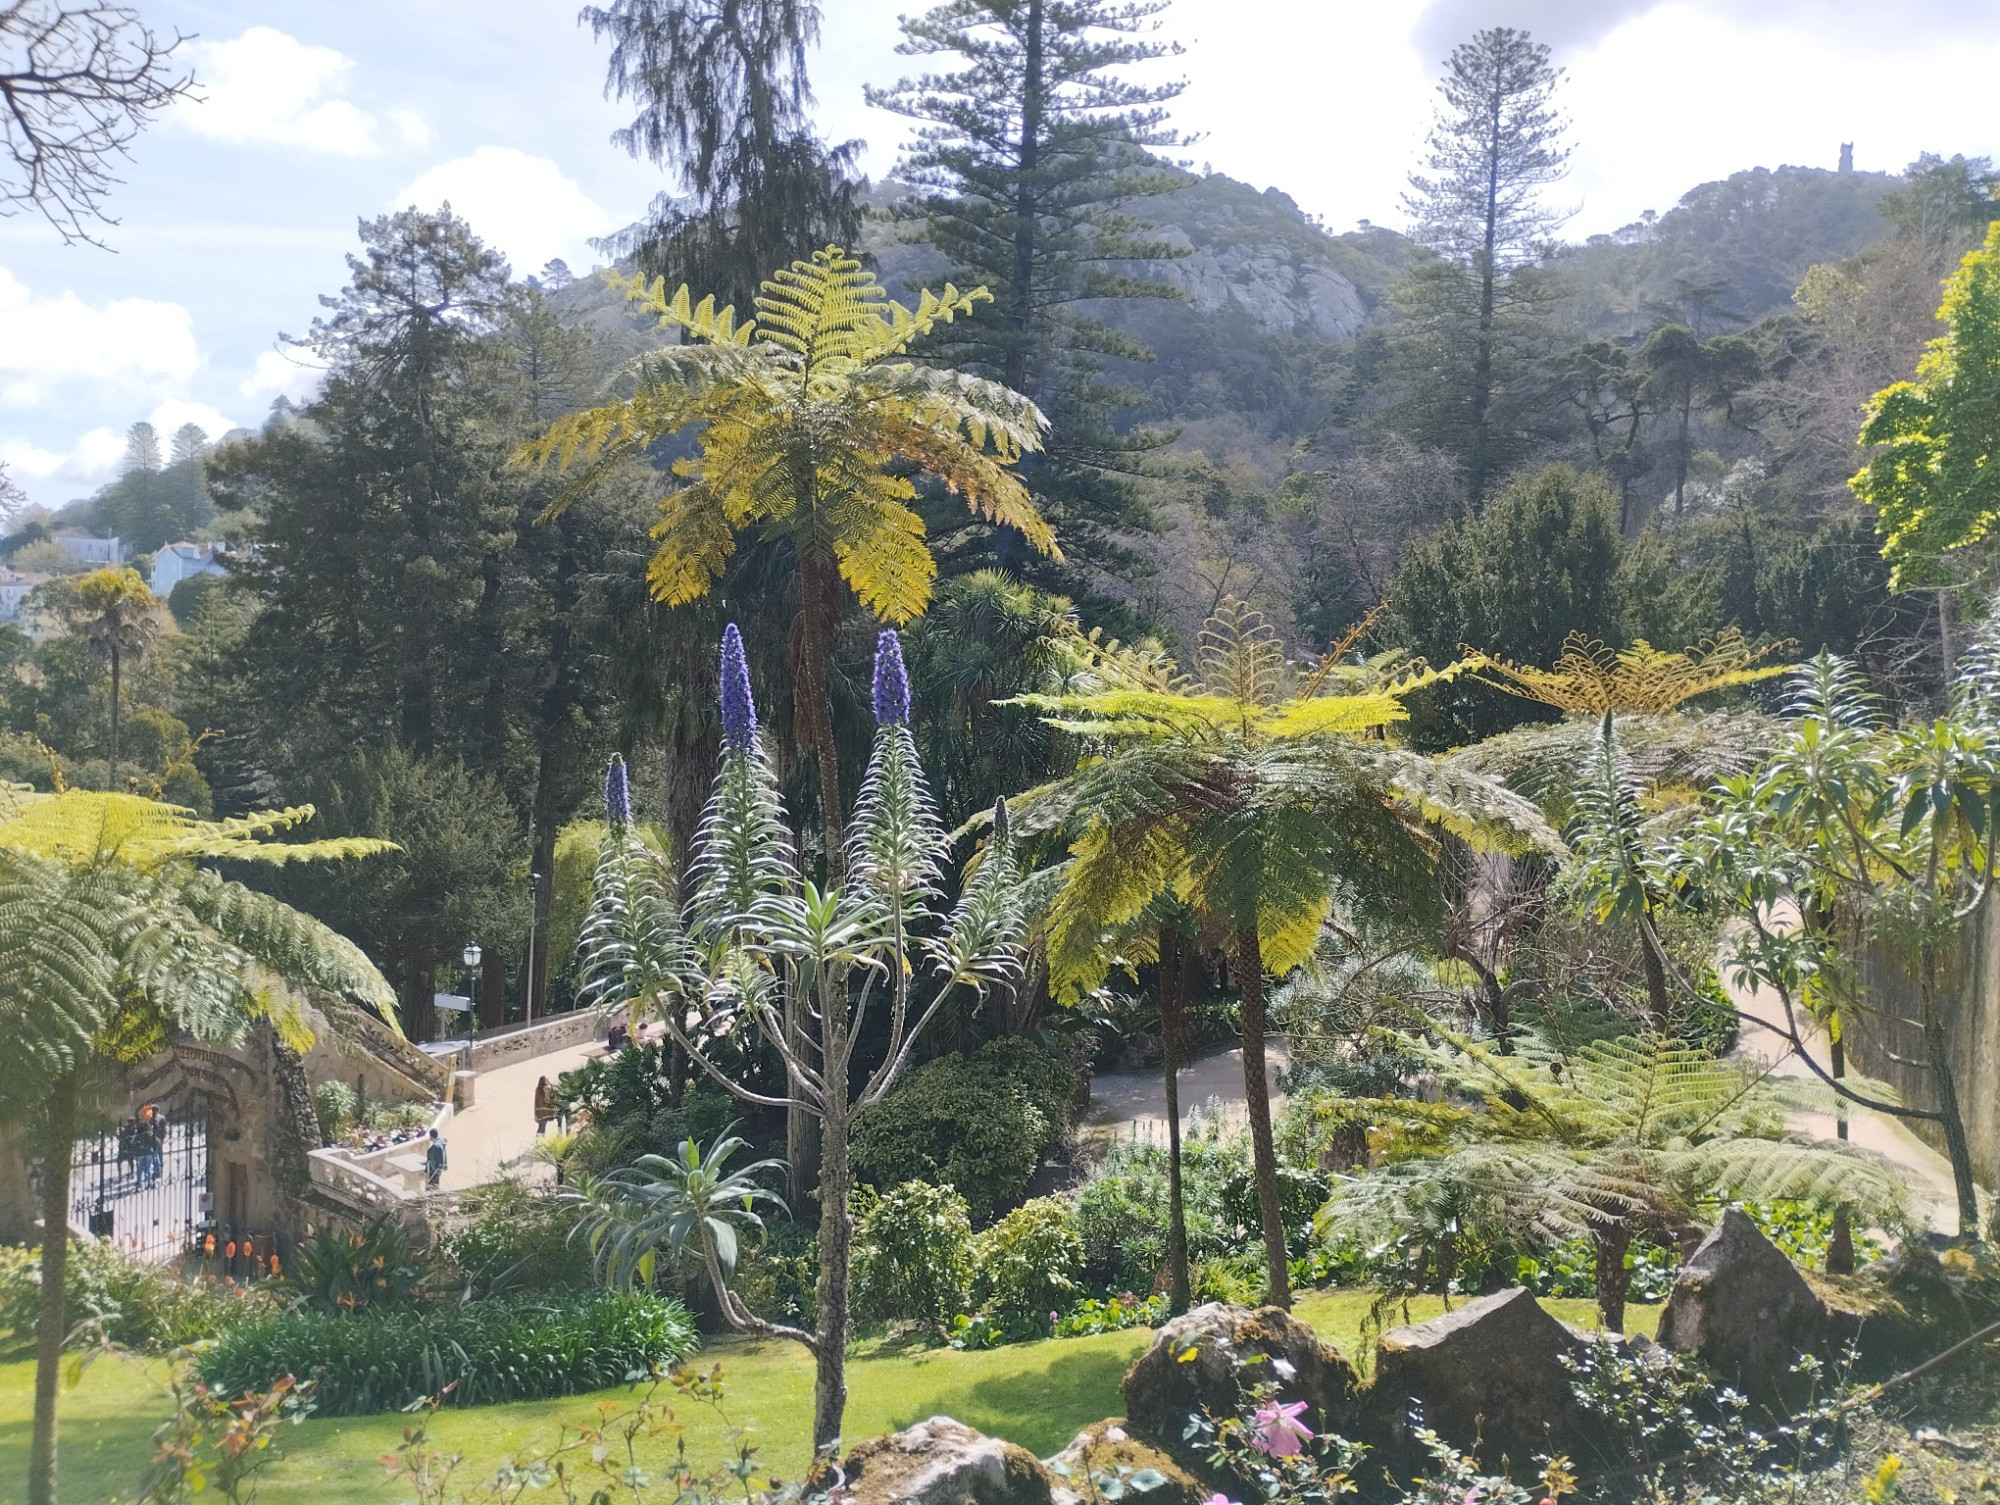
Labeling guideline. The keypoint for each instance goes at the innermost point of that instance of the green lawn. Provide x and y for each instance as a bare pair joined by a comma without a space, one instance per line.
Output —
1038,1394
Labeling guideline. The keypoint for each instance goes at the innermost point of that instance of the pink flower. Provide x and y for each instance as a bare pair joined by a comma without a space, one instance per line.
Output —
1277,1431
1218,1498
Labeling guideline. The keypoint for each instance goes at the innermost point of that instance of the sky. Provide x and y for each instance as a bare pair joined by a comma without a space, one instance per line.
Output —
236,212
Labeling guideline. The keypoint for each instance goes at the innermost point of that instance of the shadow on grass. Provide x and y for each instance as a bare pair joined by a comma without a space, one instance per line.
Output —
1042,1416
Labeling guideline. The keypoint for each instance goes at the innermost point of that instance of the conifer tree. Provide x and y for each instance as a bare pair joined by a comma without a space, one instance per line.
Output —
721,95
1023,163
1472,307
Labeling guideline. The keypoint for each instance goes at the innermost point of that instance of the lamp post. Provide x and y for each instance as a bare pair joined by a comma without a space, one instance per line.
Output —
534,898
470,956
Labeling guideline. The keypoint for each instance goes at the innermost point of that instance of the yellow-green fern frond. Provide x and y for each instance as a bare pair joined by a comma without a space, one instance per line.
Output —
1591,679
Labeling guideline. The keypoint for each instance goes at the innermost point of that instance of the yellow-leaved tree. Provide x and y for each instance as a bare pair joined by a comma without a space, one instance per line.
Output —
810,422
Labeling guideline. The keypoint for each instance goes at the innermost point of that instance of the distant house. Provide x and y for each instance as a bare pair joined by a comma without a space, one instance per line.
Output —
89,551
182,561
14,588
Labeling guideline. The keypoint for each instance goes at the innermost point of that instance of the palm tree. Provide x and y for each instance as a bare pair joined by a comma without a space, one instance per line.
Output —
120,617
1636,1134
1263,799
811,425
112,932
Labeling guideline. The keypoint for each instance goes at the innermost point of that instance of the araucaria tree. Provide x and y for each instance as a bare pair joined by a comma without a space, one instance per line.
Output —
810,424
1472,307
113,932
876,954
1025,158
1267,801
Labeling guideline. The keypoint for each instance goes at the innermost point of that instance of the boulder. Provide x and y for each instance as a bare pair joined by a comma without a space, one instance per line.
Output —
945,1462
1489,1378
1744,1310
1146,1475
1234,1349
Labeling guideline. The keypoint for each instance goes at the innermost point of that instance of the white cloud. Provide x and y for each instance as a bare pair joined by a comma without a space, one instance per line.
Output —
524,206
55,476
264,88
127,341
411,126
281,373
91,461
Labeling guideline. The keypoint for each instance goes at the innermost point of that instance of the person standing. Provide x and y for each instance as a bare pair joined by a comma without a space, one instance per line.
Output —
545,1106
433,1162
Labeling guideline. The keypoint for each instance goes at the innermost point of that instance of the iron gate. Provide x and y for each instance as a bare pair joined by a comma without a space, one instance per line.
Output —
144,1184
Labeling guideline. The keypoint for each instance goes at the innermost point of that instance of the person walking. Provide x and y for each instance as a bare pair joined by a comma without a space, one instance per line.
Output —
433,1162
545,1106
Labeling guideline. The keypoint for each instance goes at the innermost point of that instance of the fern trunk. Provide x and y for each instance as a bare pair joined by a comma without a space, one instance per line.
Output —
1257,1094
50,1320
819,616
1614,1281
1177,960
1950,1119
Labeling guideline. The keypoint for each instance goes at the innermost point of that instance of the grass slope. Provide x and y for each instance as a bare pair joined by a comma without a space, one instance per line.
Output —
1036,1394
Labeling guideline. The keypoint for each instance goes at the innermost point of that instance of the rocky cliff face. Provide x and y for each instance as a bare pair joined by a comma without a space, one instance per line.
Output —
1257,256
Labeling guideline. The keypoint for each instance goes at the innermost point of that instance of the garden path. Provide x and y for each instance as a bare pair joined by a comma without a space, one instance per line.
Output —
1133,1104
495,1137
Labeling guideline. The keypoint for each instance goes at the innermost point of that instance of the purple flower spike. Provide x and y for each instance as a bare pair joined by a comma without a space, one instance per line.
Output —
617,793
892,682
739,710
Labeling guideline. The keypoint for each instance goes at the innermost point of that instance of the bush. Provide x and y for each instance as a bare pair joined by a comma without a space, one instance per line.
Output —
336,1107
134,1305
504,1349
979,1123
515,1239
912,1254
778,1276
1026,1265
340,1270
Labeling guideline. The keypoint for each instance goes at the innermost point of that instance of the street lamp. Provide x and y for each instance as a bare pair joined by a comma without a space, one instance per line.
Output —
470,956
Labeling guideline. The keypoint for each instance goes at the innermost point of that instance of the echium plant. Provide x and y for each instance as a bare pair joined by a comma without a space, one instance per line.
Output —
763,957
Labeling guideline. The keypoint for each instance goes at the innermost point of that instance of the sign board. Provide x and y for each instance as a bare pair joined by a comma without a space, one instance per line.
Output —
451,1003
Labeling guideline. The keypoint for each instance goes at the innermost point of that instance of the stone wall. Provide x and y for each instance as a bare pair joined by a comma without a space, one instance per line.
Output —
1883,1044
517,1042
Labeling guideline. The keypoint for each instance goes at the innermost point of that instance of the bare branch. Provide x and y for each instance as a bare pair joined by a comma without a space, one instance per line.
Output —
78,82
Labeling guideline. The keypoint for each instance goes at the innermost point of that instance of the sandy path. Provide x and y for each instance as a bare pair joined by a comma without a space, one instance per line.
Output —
1133,1104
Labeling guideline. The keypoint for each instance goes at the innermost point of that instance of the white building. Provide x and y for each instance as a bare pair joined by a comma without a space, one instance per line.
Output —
182,561
14,588
84,549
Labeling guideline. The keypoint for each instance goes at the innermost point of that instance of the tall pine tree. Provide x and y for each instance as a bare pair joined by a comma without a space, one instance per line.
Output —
1023,164
721,95
1473,308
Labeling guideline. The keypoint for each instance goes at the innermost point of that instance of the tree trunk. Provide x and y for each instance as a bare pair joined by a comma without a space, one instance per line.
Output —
1659,1006
541,881
1175,983
818,618
1482,356
800,1141
836,1236
1840,1247
1021,296
1257,1091
492,988
1613,1279
112,782
1938,1050
58,1144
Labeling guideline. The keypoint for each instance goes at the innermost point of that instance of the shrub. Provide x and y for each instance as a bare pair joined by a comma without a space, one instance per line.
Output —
912,1254
336,1107
778,1276
133,1304
515,1239
1122,1218
339,1270
978,1123
1026,1265
507,1348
